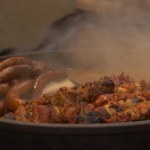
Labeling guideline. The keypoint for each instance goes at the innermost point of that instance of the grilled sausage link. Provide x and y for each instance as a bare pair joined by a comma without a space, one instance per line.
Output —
14,61
45,78
4,89
14,96
18,71
13,72
38,68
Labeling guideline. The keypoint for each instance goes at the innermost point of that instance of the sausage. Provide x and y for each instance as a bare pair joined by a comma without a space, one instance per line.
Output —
21,114
38,68
2,108
13,99
4,89
14,61
40,113
13,72
44,79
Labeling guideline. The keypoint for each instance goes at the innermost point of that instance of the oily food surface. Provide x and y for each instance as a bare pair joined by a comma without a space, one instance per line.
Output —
109,99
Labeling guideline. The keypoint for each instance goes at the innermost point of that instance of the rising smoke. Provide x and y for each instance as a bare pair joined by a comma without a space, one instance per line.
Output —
113,36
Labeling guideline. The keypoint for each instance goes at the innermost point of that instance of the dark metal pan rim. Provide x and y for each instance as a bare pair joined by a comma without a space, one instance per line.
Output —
76,129
60,125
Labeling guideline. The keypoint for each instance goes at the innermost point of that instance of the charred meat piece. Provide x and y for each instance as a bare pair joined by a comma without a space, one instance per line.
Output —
122,79
107,85
87,93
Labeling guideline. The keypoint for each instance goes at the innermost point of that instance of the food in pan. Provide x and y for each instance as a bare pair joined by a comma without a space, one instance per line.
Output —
31,92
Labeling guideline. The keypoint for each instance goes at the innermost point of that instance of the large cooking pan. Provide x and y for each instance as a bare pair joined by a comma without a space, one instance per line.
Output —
29,136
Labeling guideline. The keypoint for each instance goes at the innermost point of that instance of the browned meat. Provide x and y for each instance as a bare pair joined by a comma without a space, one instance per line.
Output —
4,89
13,72
38,68
2,108
122,79
68,113
14,96
87,93
21,114
20,71
40,113
102,100
107,85
13,61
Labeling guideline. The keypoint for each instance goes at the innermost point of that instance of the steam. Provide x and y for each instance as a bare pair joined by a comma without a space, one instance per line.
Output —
115,39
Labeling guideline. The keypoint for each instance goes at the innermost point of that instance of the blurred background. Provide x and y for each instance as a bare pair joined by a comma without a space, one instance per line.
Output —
25,23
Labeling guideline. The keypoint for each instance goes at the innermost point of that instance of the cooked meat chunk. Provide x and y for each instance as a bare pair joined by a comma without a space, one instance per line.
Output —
114,99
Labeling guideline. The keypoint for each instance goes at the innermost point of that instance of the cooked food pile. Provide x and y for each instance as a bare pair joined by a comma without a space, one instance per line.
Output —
29,94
